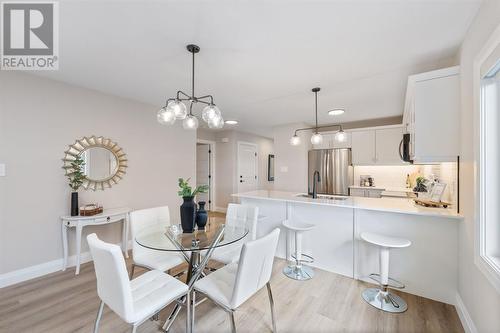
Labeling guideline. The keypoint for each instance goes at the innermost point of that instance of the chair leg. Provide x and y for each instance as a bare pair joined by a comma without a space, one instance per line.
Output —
99,315
132,271
271,302
134,328
189,328
233,324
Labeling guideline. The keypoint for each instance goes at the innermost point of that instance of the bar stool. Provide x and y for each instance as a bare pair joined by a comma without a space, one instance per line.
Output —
380,297
298,271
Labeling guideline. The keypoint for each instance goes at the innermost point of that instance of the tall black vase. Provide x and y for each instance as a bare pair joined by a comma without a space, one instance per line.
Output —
201,215
74,203
188,213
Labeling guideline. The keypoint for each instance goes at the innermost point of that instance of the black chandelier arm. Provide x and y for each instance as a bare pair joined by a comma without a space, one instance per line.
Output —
168,100
206,96
191,108
316,128
180,92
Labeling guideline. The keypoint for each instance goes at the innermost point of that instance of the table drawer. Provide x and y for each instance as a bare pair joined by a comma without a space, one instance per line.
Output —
107,219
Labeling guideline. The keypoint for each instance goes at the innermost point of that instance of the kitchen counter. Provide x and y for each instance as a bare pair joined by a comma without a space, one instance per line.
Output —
392,205
335,242
383,188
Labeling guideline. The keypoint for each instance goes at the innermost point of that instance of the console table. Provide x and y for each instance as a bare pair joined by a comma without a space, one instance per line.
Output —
78,222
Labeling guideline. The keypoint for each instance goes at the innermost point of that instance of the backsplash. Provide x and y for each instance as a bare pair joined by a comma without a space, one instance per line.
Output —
394,176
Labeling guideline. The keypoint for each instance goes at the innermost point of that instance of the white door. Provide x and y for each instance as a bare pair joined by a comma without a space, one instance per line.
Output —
247,167
363,147
387,146
203,171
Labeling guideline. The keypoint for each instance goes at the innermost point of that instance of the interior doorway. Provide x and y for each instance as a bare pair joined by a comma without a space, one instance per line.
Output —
247,167
205,173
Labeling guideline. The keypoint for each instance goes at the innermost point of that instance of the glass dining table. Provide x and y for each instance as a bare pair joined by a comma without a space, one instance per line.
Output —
196,248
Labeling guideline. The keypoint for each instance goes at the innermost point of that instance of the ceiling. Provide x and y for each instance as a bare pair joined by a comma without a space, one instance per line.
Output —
260,59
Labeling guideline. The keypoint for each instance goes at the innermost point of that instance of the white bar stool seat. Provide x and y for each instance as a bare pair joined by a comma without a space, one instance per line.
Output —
298,271
380,297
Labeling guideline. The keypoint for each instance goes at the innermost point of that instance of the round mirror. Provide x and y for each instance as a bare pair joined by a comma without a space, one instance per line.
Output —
104,162
100,163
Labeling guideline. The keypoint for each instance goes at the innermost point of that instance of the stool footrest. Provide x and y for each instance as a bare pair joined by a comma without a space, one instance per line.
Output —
395,283
308,260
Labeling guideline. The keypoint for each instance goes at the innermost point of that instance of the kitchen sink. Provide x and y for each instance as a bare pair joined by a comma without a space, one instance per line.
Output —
322,196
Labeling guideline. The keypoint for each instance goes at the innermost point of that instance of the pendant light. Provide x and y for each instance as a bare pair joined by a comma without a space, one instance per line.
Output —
317,138
175,109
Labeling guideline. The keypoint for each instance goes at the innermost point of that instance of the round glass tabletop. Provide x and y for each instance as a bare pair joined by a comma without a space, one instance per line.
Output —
172,238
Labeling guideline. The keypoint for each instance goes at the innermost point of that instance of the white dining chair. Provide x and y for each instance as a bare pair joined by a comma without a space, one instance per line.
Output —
230,286
133,300
237,215
157,218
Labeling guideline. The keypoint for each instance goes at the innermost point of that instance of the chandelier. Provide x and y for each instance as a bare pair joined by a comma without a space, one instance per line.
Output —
317,138
176,109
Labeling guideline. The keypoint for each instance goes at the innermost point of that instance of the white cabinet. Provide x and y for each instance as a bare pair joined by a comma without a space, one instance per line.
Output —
363,147
387,145
377,146
432,115
330,142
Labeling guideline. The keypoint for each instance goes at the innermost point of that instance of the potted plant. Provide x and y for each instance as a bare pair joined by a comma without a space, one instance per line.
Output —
421,185
188,207
76,178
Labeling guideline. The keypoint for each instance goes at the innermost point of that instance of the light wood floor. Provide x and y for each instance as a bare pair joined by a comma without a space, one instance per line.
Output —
63,302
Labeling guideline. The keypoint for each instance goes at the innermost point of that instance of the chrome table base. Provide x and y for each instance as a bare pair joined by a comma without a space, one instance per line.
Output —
384,300
300,273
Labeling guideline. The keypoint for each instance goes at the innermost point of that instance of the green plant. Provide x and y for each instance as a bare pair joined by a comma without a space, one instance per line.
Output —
421,187
77,176
186,190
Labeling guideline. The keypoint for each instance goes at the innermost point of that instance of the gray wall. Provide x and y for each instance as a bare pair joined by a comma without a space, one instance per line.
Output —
39,118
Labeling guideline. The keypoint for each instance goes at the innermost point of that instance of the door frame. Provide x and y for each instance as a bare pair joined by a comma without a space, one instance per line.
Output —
238,144
212,190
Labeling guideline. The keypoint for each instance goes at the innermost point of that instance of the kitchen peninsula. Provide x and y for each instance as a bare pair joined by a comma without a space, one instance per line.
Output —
428,268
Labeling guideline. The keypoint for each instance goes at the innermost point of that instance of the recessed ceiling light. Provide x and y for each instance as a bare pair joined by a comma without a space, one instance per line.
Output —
231,122
336,112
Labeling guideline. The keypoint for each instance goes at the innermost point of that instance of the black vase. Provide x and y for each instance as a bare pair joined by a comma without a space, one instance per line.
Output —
201,216
188,213
74,203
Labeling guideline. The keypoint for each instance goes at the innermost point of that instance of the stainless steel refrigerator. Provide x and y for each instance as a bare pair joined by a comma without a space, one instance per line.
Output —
335,170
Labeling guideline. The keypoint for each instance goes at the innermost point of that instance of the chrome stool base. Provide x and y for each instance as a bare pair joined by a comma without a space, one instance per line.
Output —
300,273
384,301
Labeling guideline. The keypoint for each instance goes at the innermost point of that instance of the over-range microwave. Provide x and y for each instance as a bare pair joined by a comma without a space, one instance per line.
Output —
404,148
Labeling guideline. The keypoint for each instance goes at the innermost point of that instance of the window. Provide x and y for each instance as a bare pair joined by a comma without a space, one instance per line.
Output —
489,170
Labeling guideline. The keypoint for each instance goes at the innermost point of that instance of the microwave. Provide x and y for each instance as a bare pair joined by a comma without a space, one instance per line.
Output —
404,148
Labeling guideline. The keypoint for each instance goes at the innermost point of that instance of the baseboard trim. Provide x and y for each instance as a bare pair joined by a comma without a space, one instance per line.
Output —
32,272
464,316
220,209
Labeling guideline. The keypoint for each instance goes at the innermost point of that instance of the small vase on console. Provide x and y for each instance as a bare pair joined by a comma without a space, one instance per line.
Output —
201,216
188,214
74,204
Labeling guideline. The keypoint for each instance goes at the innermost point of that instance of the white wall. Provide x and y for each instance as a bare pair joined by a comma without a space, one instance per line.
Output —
479,296
226,157
39,118
291,161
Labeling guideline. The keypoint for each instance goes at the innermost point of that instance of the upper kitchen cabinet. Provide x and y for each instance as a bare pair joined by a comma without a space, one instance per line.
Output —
363,147
432,115
377,146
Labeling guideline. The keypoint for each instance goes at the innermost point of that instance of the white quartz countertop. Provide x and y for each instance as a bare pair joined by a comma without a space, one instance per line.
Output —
395,205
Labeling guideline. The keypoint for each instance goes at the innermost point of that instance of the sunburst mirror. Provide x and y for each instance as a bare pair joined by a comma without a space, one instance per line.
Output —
105,161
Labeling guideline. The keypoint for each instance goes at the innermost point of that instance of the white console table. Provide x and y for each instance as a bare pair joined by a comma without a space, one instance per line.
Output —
78,222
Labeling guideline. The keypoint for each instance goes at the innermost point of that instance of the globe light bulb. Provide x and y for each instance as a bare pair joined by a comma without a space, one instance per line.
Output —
316,139
210,112
178,108
295,140
190,123
216,122
165,117
340,136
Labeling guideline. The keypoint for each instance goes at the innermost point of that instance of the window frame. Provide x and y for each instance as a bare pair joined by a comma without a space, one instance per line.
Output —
487,265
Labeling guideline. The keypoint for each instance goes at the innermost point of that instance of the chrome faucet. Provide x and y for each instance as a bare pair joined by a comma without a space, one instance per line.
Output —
316,179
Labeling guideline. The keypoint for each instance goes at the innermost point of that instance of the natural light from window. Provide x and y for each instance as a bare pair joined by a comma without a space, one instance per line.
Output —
489,240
